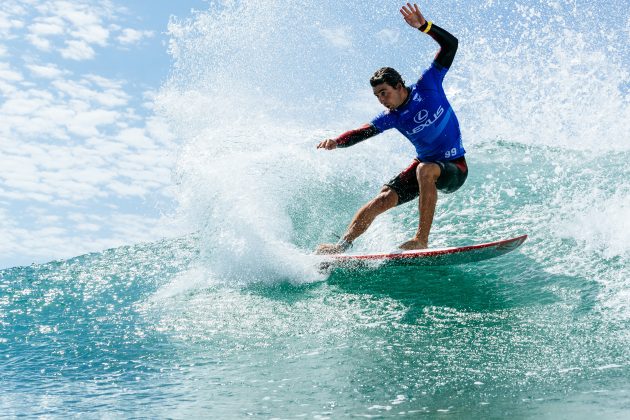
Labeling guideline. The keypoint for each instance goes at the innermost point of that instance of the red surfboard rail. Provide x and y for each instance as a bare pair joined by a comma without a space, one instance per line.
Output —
441,256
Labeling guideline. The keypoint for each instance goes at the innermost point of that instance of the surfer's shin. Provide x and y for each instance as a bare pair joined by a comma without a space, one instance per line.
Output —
426,206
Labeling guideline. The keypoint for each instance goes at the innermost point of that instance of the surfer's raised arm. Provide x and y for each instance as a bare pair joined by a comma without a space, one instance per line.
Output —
448,43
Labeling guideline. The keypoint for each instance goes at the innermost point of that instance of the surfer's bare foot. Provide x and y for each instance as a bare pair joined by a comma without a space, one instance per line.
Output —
329,249
413,244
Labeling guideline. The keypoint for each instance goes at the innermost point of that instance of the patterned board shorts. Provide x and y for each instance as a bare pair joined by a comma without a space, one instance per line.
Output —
453,175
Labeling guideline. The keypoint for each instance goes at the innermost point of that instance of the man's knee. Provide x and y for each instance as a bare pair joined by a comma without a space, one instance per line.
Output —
428,172
386,198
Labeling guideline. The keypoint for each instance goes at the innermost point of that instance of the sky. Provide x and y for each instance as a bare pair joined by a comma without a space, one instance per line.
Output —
86,160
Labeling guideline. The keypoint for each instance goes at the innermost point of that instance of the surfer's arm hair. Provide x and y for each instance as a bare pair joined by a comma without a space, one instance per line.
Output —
448,43
352,137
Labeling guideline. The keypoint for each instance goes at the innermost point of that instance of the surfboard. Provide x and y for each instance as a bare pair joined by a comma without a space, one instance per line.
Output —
426,257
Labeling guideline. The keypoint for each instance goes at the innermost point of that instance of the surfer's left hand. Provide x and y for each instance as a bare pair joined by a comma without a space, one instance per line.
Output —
412,15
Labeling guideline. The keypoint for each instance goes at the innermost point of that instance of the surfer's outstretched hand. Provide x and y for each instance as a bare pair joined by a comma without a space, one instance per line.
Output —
412,15
328,144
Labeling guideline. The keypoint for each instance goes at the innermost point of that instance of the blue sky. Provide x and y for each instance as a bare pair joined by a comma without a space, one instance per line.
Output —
86,162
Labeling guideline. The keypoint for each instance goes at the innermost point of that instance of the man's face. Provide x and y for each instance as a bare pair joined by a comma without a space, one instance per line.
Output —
389,97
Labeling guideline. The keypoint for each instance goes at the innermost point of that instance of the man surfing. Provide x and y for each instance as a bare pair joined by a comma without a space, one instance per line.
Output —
423,115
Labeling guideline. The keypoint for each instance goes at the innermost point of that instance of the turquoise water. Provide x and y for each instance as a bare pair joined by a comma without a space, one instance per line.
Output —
236,321
145,330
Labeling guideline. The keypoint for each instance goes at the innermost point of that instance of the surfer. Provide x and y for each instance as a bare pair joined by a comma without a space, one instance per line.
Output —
423,115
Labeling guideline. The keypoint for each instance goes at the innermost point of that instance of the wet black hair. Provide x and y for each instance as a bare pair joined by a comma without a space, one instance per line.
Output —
387,75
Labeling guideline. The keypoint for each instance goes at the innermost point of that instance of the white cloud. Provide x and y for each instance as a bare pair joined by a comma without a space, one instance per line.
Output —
87,123
6,73
111,96
47,27
127,162
91,227
127,189
338,37
130,36
77,50
22,105
79,26
136,137
49,71
66,108
8,23
77,14
6,89
51,236
39,42
92,34
73,144
104,82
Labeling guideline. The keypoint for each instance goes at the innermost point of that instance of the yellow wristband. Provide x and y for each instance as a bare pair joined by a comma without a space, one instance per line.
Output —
428,28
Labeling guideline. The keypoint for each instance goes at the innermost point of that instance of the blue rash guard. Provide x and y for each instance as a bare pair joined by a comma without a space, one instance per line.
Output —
426,119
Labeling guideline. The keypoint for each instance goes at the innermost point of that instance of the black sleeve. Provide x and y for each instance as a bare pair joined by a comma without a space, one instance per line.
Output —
352,137
448,44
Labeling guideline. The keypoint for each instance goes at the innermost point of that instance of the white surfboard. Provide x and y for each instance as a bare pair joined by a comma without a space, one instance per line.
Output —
427,257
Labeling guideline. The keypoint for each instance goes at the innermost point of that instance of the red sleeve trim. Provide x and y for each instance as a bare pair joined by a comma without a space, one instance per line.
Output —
355,136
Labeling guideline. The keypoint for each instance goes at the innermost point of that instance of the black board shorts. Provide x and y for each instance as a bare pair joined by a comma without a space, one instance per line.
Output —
452,176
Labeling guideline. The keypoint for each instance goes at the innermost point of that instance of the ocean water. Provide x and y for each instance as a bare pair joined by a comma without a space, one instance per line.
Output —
233,319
